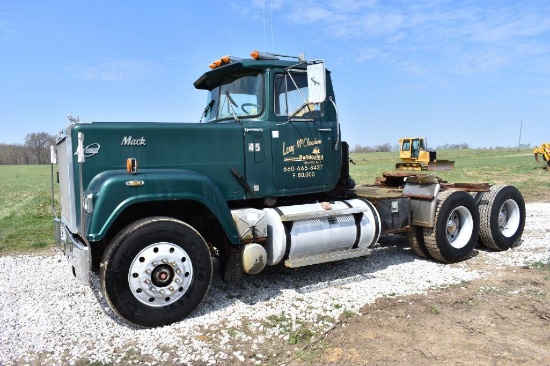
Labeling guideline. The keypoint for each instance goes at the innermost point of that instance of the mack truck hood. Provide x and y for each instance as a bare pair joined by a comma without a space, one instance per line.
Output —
208,149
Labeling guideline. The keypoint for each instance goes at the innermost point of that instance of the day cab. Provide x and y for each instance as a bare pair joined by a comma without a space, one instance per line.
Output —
262,179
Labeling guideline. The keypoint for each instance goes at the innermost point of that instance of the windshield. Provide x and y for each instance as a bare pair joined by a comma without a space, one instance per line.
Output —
237,96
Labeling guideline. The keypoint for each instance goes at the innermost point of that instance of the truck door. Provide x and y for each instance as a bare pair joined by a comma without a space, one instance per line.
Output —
304,144
256,145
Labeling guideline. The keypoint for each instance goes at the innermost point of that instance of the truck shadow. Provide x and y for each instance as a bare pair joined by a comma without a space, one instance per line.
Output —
276,281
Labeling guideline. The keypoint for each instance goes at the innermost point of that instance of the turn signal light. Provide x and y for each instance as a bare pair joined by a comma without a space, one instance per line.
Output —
131,165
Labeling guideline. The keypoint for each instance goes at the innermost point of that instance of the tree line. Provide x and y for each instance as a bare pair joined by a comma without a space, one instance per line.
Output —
388,147
35,150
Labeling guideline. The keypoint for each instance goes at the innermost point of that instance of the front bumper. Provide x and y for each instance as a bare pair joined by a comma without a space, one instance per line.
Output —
76,252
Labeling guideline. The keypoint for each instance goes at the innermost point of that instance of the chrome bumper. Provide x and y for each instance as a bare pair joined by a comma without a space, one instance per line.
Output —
77,253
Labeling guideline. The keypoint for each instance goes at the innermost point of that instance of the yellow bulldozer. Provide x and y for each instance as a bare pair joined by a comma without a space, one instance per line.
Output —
544,150
415,155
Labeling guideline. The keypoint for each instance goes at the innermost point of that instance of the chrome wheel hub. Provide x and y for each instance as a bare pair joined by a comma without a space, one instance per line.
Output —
453,226
460,226
160,274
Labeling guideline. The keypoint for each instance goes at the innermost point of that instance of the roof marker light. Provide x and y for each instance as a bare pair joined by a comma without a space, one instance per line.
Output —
257,55
221,61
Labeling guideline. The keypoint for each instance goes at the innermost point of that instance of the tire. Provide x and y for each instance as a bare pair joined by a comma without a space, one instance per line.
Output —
456,230
415,236
155,272
502,217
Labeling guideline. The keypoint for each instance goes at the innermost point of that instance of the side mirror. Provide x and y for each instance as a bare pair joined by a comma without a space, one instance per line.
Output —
316,82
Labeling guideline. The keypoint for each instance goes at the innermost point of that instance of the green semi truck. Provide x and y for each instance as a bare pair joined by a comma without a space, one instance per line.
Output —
262,180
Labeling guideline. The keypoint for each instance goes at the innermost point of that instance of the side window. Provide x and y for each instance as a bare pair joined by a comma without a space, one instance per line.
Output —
291,96
406,145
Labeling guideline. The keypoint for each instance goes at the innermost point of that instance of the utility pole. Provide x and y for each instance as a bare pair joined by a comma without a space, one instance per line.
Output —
520,128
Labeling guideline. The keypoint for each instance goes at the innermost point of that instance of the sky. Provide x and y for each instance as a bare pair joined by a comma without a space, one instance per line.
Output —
474,72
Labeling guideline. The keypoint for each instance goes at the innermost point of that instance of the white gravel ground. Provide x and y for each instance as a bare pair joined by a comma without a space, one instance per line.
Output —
46,317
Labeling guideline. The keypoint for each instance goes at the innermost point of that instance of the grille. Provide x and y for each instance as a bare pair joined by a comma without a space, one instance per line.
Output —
66,185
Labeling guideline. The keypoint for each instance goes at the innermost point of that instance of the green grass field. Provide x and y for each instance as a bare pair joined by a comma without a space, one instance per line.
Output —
503,166
26,218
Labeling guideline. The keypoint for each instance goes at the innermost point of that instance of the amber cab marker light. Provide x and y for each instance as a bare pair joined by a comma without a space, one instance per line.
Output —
221,61
216,63
257,55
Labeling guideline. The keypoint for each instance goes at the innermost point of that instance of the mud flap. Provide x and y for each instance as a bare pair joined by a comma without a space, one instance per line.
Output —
231,270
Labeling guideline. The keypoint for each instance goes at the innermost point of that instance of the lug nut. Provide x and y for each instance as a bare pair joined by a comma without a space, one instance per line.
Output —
148,271
162,292
171,288
155,263
178,271
165,261
173,263
153,289
177,280
147,280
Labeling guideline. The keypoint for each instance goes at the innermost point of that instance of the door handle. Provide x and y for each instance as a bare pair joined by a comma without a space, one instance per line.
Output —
247,130
324,129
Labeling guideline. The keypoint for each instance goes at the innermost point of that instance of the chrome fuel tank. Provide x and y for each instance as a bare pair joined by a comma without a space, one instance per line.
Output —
307,230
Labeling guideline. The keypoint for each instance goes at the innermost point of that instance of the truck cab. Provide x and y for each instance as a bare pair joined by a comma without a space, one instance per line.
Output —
262,179
288,126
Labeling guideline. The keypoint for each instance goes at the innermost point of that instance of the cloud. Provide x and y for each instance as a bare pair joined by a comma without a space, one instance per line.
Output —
112,70
452,37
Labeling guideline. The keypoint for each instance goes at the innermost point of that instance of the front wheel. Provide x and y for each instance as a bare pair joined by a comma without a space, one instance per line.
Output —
502,217
156,272
456,229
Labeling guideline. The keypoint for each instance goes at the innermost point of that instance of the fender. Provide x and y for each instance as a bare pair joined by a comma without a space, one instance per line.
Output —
114,191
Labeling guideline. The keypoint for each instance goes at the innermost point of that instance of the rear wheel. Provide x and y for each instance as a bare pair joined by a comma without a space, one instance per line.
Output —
456,229
415,236
502,217
156,271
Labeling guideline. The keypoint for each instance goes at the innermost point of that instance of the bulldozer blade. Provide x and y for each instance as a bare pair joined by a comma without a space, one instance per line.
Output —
441,165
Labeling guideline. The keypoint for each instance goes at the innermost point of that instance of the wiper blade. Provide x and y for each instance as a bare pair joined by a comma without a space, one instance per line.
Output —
207,109
231,104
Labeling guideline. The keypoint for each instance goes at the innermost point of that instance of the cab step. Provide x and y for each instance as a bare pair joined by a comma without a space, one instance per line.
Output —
327,257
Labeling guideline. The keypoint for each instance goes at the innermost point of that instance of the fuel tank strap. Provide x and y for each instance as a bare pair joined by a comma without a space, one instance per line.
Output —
288,228
321,214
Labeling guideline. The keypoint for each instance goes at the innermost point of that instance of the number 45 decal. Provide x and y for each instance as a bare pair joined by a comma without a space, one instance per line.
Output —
254,147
